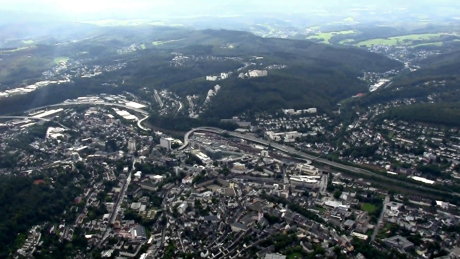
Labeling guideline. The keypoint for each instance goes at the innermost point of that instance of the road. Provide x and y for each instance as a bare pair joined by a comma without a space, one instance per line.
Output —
299,154
120,198
116,209
139,123
380,221
323,185
158,99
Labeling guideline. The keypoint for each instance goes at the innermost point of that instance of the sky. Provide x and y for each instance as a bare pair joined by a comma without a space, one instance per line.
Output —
113,9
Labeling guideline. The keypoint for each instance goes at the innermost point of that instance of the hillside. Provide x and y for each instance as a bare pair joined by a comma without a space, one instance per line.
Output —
432,113
435,87
314,74
438,78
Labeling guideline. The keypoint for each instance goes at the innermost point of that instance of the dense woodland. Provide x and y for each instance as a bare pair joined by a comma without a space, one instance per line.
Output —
26,201
438,113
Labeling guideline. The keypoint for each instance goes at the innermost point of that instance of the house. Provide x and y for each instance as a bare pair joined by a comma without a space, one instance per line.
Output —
238,227
399,242
148,186
138,232
275,256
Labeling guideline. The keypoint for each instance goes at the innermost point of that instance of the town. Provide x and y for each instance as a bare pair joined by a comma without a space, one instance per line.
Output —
216,194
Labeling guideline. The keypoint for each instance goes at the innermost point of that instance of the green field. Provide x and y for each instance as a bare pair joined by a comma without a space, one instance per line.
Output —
28,42
325,37
406,40
60,60
368,207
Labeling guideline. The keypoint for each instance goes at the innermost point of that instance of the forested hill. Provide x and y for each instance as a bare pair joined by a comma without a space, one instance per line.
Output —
307,52
438,77
314,75
435,86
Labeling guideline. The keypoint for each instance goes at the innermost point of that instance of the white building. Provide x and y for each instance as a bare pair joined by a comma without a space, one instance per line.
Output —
238,167
307,169
132,145
223,76
182,207
311,110
211,78
166,143
299,112
257,73
290,136
201,156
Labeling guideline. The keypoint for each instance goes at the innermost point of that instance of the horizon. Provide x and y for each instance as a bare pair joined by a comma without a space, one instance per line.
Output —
79,11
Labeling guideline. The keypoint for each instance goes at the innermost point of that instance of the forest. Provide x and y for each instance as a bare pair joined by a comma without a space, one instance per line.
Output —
437,113
25,201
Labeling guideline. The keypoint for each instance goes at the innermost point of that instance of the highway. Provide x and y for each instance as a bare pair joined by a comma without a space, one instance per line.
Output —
296,153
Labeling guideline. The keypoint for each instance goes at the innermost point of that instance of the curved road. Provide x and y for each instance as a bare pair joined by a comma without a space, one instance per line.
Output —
300,154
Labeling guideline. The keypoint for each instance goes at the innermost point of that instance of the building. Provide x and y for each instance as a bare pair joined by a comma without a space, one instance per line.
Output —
132,145
201,156
239,167
238,227
311,110
399,242
211,78
257,73
138,232
307,169
290,136
275,256
224,75
166,143
182,207
299,112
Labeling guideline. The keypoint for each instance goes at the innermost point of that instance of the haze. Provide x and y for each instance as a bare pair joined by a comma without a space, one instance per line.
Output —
147,9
